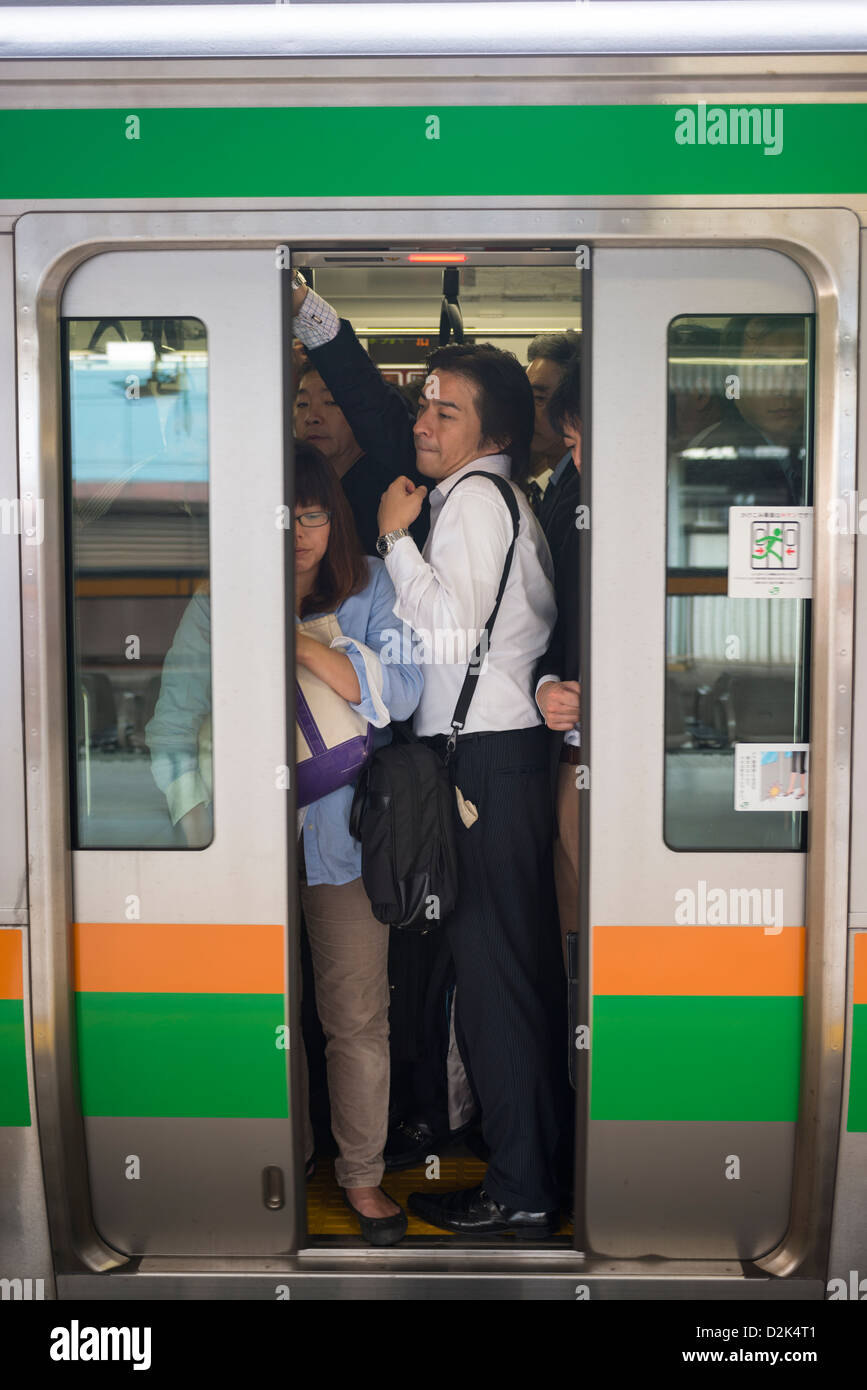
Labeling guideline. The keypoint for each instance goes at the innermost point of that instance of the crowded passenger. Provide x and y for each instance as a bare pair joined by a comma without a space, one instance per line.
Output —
548,357
696,398
349,946
756,450
476,413
421,971
178,735
353,416
558,689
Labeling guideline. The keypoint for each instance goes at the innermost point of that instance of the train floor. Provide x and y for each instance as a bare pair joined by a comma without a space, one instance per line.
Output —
327,1214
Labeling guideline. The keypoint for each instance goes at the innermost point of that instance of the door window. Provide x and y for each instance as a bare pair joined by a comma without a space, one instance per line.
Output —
137,454
739,430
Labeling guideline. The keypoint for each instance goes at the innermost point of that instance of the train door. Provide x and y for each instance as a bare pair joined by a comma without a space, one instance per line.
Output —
698,734
172,367
693,938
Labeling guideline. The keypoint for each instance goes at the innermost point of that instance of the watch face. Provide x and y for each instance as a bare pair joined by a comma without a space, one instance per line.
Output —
382,546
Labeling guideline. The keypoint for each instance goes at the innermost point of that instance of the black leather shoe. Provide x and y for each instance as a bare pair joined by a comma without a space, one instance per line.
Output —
379,1230
410,1142
472,1212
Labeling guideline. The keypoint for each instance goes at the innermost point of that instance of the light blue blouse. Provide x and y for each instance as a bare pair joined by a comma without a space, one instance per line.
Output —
331,855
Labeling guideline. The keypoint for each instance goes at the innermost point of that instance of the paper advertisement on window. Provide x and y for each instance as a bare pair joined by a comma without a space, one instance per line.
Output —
772,776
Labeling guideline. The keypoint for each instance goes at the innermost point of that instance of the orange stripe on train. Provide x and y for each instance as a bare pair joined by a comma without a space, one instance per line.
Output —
697,960
859,980
185,958
11,969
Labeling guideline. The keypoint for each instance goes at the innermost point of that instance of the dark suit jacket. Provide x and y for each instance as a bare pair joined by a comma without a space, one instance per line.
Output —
734,460
380,420
557,519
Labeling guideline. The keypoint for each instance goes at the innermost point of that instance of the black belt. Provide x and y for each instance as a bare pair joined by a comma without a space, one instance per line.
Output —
439,741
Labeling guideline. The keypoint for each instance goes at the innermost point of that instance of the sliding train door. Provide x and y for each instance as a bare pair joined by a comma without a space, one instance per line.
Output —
172,366
699,734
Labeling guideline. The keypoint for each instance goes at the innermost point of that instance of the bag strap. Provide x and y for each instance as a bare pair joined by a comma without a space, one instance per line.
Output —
459,718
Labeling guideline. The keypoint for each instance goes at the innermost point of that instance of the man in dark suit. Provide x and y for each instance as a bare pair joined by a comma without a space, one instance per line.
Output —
548,357
558,673
755,454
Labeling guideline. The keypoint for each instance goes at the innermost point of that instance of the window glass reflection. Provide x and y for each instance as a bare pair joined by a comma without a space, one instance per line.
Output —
739,430
137,453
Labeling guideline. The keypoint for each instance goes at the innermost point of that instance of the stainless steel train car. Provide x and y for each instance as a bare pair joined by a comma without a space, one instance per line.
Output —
658,177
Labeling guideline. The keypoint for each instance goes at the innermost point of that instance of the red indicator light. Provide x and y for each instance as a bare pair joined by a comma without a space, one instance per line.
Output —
437,257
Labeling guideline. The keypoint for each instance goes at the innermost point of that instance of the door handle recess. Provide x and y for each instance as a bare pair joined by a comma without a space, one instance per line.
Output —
273,1192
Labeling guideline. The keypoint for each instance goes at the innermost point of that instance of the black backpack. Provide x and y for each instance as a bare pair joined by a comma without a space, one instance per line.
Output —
404,808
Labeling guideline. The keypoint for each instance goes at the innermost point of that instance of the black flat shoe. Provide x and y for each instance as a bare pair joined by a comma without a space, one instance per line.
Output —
472,1212
379,1230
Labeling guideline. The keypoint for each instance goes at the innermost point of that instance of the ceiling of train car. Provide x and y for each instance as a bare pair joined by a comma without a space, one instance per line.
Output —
495,301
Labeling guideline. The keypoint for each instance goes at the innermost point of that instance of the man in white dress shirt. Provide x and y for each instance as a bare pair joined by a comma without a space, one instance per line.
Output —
476,413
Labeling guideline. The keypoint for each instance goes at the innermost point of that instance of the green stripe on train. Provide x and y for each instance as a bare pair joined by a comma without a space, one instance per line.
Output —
186,1055
857,1116
482,151
720,1057
14,1102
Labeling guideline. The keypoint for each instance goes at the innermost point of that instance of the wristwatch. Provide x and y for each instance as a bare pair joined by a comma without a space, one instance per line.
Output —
298,282
385,544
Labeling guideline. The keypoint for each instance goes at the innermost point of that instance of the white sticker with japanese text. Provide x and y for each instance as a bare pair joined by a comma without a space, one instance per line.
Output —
770,552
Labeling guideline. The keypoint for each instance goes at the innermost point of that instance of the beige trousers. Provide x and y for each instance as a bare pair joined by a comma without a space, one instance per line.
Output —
566,851
350,967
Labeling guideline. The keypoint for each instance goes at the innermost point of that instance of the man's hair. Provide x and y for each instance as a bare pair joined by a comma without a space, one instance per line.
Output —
305,369
565,403
343,568
503,395
687,339
409,393
555,347
745,333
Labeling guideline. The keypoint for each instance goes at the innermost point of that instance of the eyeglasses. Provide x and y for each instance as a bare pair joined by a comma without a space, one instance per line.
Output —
314,518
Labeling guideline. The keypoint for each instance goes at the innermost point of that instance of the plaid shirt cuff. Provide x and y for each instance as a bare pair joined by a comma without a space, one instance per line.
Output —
316,322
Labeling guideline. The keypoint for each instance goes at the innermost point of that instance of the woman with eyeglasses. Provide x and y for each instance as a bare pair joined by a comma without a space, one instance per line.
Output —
349,947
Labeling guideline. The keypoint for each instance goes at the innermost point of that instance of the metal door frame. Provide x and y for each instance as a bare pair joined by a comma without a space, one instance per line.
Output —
49,246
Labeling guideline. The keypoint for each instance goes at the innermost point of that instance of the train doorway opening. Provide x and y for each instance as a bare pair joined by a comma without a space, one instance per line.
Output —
402,304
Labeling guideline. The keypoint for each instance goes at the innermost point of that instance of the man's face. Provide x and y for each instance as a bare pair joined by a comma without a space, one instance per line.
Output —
318,420
448,430
544,376
773,398
693,411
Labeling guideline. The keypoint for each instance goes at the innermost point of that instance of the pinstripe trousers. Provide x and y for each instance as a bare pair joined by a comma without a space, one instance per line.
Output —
510,1016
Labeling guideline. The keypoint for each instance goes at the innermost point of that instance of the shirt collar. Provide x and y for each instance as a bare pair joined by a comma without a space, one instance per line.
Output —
492,463
561,467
